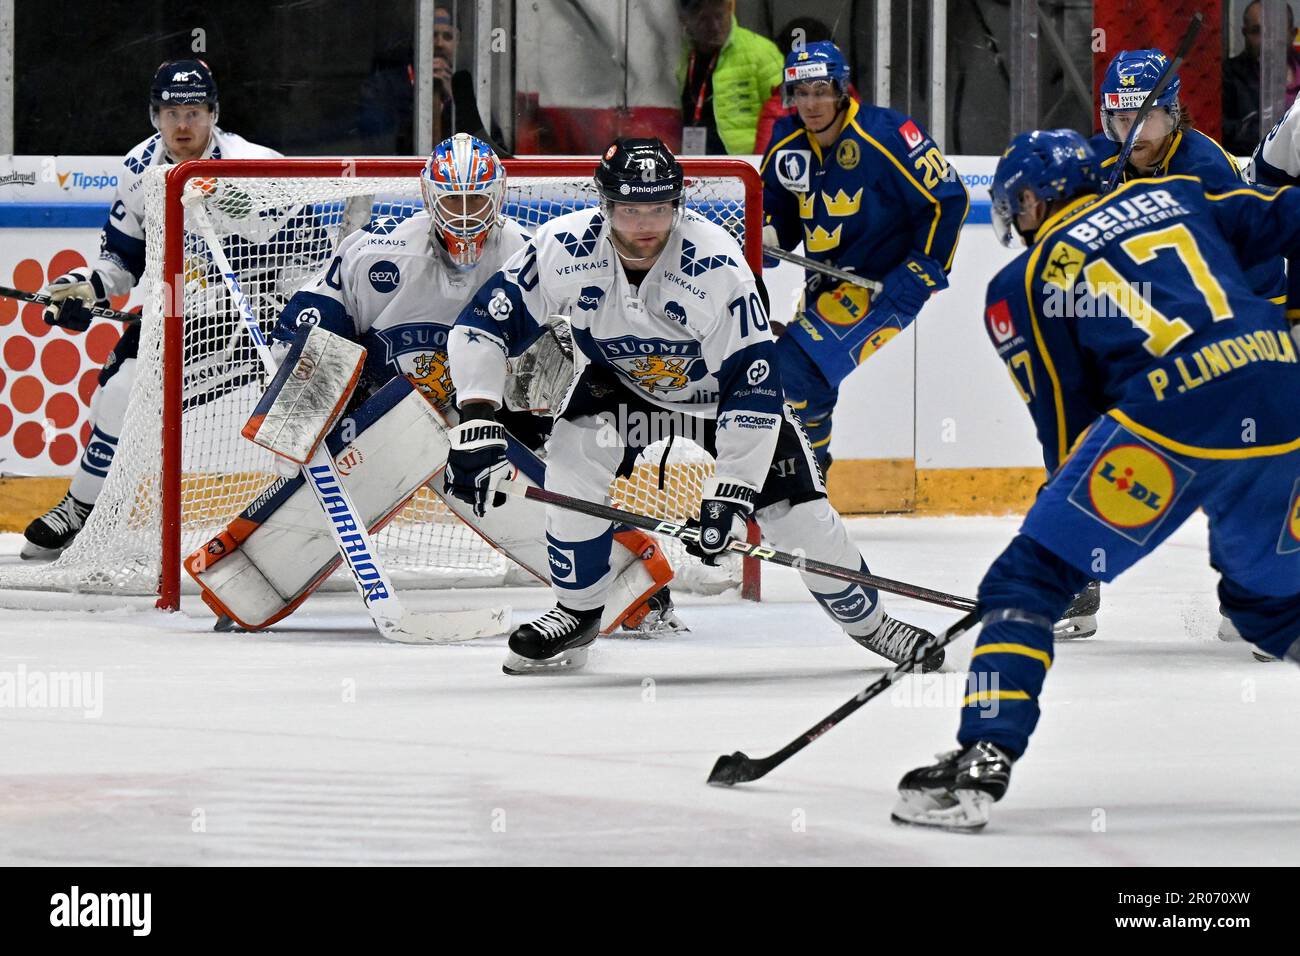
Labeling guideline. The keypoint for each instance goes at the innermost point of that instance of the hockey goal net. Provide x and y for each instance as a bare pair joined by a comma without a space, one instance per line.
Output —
182,471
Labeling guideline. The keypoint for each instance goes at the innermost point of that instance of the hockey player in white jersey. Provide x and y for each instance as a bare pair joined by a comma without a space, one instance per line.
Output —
183,107
668,324
396,287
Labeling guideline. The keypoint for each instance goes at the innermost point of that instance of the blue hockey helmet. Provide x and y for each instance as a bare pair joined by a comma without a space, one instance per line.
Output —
182,83
1054,164
821,60
1129,78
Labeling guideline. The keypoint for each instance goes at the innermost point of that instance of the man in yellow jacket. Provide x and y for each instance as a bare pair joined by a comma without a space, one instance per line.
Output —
726,74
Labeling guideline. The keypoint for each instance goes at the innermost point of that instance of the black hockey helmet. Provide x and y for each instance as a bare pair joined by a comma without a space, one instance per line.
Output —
639,170
182,83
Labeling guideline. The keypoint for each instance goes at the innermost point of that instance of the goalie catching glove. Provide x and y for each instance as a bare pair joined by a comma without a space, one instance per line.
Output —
70,294
724,508
477,461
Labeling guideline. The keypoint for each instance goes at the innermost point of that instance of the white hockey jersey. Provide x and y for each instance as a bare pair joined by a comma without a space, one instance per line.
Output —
1276,162
692,339
122,243
389,289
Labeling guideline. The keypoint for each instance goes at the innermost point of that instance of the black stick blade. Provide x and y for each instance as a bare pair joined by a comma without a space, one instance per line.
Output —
734,769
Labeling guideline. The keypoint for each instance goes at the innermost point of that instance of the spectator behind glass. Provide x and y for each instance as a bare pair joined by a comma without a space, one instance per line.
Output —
1241,83
801,30
725,75
388,95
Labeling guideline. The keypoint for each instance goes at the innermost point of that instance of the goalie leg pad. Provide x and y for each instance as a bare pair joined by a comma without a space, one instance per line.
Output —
277,550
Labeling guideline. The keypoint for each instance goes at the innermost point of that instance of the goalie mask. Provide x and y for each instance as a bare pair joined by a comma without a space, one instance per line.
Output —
463,184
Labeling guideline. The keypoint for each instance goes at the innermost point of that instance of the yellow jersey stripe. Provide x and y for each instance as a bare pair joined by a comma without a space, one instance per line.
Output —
1194,451
1024,650
986,695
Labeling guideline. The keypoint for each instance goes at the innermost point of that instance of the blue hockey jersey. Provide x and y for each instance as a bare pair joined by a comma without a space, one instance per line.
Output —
1192,153
1137,305
882,192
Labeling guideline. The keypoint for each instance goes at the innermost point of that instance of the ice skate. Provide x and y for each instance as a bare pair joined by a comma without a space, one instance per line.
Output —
48,535
957,792
556,641
1080,618
896,641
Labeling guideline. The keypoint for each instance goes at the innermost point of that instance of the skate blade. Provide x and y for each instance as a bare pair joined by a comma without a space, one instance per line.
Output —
1075,628
1264,658
570,660
969,814
34,552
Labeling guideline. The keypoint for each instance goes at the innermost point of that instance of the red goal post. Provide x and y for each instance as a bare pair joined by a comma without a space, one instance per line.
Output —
174,272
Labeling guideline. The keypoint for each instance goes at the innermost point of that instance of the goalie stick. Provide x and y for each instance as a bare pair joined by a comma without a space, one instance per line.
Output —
739,768
98,311
1189,37
842,274
688,534
358,549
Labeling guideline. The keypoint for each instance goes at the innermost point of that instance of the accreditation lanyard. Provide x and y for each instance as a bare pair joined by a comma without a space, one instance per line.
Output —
690,81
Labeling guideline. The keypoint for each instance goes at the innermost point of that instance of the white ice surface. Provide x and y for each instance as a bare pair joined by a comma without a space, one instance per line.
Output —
1158,743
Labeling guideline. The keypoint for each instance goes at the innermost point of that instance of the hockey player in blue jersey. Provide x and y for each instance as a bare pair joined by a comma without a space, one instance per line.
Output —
865,189
668,327
1167,144
1159,383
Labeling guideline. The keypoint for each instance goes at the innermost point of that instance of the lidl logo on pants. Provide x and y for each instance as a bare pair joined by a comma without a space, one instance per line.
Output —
1130,486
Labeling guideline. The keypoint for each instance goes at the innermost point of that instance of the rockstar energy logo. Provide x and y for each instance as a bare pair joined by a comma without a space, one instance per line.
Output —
660,373
1130,486
845,304
432,377
1062,266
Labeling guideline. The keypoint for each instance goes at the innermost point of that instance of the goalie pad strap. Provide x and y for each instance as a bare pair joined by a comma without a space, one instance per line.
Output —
307,394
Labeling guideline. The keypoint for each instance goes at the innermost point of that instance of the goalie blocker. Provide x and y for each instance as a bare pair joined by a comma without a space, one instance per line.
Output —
278,550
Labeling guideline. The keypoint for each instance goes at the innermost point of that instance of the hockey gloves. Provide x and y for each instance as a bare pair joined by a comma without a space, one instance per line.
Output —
909,284
69,295
477,461
724,508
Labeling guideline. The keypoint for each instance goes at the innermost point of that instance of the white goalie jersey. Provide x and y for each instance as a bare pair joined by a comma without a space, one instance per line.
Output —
390,290
692,339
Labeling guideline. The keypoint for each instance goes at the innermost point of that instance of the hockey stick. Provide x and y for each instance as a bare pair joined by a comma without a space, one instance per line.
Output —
739,768
743,548
842,274
354,543
98,311
1166,77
